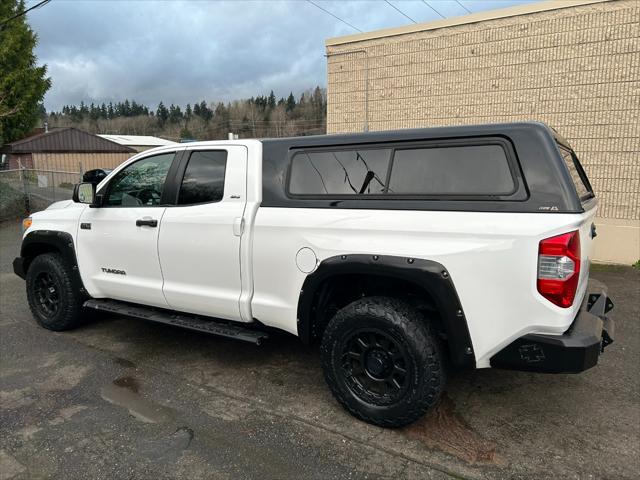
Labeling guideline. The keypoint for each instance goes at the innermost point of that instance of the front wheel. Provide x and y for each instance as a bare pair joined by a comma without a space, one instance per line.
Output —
53,300
382,362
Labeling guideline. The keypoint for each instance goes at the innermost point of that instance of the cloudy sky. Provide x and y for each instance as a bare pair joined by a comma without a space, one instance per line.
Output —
185,51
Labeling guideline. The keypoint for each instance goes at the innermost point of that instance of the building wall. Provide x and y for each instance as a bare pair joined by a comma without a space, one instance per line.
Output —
19,160
74,162
575,68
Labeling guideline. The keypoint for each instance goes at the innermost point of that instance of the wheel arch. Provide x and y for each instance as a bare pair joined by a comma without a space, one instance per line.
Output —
39,242
424,280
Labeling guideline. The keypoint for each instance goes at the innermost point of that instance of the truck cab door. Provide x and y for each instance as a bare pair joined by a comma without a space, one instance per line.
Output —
199,242
118,242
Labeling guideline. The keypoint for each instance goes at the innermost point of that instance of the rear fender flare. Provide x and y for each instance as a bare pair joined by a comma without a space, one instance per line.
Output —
427,274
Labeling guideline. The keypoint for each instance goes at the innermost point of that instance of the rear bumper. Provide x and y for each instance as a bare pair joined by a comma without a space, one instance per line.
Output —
576,350
18,267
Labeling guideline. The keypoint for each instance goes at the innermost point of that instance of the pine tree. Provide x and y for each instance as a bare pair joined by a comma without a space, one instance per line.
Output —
175,114
271,103
291,102
162,114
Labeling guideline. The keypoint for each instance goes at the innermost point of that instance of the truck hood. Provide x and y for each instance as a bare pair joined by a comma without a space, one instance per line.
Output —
61,204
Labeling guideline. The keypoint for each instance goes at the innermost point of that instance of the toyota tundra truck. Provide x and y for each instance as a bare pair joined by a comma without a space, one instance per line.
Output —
405,255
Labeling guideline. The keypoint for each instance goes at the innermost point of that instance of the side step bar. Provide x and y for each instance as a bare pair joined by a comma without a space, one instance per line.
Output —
209,325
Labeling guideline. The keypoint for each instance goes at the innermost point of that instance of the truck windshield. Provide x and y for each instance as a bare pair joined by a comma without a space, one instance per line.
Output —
578,175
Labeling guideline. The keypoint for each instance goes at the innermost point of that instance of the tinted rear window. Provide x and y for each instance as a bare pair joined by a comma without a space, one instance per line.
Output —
340,172
453,170
203,179
463,170
578,176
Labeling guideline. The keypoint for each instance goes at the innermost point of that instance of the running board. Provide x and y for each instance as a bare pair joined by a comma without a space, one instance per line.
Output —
209,325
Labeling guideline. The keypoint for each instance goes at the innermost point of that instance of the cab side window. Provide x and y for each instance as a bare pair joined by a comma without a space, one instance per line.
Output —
203,180
141,183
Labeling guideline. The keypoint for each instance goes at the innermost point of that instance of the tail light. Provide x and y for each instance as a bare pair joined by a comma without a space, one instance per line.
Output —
559,268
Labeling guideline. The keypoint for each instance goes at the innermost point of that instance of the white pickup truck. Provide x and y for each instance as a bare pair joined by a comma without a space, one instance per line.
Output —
403,253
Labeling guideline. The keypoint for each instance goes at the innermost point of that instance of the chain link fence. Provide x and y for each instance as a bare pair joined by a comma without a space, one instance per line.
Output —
23,191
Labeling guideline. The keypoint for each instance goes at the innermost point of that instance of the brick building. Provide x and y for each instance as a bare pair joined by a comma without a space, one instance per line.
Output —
574,65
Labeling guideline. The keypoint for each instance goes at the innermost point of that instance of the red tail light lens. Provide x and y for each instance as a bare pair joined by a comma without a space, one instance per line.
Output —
559,268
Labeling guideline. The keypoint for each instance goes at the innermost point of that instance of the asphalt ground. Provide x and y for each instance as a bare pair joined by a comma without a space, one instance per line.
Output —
127,399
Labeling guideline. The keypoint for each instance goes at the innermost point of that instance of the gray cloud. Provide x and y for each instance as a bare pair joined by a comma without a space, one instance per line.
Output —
184,51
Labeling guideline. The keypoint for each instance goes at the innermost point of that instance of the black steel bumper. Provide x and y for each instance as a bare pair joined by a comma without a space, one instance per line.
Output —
18,267
576,350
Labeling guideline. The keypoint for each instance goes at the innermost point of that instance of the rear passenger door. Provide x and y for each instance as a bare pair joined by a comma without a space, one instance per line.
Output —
199,242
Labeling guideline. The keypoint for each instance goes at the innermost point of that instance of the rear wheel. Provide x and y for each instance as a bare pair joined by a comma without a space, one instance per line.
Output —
53,300
381,361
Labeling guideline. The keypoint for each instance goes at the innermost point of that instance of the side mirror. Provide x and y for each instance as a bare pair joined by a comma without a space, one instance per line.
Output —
84,193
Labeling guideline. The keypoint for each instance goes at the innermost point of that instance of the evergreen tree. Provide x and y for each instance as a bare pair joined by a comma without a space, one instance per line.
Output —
271,103
291,102
175,114
94,112
22,83
126,108
162,114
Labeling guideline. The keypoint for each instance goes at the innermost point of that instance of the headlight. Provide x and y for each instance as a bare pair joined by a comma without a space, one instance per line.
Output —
26,223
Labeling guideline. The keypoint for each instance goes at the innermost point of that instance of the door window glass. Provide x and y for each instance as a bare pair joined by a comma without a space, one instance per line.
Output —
203,179
140,184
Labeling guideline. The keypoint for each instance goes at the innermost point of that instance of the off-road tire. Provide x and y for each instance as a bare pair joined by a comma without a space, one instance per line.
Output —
68,313
406,330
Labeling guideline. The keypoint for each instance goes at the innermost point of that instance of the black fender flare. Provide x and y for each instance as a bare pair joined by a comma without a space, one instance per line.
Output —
431,276
43,241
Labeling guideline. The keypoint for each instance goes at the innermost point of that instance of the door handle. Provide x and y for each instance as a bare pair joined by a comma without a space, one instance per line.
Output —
146,222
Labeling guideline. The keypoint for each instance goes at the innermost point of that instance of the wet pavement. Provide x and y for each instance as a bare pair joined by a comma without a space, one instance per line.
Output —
121,398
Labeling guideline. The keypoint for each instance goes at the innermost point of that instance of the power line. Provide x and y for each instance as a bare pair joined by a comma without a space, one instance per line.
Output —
401,12
423,1
24,12
334,16
468,11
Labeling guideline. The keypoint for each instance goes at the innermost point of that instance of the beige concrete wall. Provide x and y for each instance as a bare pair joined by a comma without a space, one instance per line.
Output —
576,67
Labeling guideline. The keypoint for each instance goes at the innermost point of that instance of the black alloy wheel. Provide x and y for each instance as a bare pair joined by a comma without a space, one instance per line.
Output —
376,367
47,294
382,361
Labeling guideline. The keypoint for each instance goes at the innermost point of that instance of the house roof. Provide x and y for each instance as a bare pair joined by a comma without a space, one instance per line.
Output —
66,139
138,140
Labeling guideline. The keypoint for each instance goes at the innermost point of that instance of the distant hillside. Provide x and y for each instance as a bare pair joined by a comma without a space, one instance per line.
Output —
262,116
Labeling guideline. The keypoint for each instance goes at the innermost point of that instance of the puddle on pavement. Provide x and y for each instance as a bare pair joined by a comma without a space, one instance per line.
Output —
444,430
124,393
